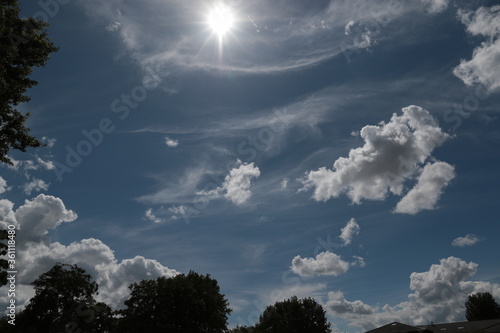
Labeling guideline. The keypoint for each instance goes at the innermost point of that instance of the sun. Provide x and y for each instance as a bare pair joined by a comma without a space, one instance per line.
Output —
221,19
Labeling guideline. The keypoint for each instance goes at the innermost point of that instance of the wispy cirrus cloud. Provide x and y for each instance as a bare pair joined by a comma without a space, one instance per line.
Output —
267,37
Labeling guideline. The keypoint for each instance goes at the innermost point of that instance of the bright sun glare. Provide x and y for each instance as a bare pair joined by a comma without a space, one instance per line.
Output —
221,20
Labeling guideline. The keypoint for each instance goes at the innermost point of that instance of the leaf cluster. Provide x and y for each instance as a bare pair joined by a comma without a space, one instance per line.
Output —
481,306
24,44
294,316
184,302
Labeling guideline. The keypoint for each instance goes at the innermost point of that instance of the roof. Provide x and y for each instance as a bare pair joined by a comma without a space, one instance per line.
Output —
489,326
486,326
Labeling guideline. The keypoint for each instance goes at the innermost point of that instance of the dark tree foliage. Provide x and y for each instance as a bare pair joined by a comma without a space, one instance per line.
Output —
4,265
481,306
23,45
64,302
184,303
294,316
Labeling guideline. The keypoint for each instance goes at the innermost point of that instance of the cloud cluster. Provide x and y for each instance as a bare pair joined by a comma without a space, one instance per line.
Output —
3,185
338,305
236,185
468,240
325,263
171,142
35,185
431,182
349,231
38,254
484,67
435,6
393,153
328,263
438,295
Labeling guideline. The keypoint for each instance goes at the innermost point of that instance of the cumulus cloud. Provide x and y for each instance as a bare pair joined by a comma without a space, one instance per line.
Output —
3,185
435,6
438,295
38,253
468,240
36,217
325,263
484,67
424,196
35,185
349,231
236,185
393,153
338,305
171,142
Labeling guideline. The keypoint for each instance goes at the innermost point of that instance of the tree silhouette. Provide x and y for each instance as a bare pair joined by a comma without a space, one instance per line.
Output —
64,302
481,306
23,45
294,316
184,303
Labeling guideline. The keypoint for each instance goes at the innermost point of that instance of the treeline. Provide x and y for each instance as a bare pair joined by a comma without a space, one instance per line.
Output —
64,301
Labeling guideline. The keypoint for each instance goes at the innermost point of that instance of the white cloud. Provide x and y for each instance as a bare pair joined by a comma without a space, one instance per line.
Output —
3,185
338,305
150,216
484,67
359,261
363,35
179,210
349,231
304,40
113,26
284,183
392,154
424,196
325,263
438,295
468,240
36,185
38,254
40,215
171,142
31,165
50,142
236,185
435,6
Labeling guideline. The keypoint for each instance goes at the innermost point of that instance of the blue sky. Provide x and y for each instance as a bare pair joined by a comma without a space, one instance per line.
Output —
341,150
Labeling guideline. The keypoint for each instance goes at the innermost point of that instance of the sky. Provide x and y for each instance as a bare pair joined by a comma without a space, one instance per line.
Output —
340,150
